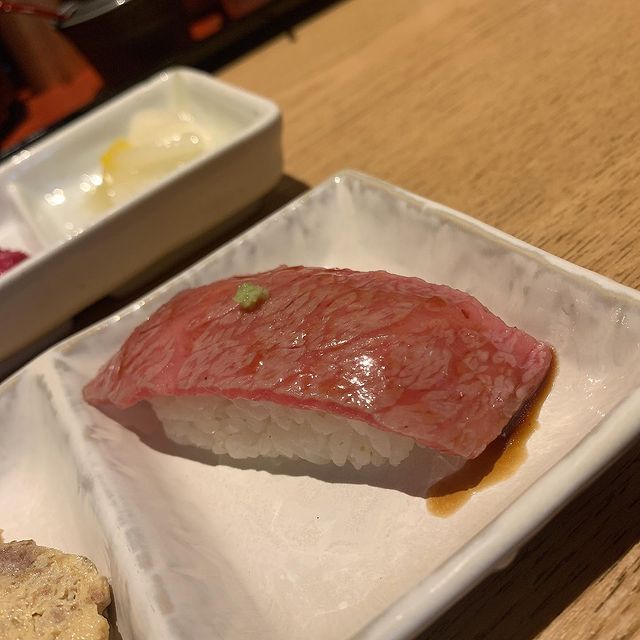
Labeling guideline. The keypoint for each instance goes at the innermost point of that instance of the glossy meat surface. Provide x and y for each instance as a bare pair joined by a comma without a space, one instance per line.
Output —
400,354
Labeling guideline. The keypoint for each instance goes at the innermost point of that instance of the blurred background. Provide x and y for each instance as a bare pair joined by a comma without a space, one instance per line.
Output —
52,69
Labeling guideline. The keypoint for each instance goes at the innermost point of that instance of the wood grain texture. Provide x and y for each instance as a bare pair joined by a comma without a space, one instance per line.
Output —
526,114
578,578
523,113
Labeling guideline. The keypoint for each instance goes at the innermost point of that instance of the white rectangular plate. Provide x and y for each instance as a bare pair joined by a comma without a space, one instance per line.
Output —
197,548
81,251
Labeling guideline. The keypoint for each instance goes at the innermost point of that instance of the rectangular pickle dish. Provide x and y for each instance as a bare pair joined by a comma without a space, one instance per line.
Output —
124,188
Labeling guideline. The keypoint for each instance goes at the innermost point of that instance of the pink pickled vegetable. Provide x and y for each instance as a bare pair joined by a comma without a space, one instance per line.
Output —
9,259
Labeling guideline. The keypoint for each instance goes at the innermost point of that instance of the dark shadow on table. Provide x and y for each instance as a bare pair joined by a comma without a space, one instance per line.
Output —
112,616
572,552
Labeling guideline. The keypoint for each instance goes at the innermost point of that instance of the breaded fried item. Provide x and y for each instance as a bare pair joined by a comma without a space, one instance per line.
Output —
47,594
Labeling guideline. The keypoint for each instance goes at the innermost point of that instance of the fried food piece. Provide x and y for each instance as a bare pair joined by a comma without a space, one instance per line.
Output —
47,594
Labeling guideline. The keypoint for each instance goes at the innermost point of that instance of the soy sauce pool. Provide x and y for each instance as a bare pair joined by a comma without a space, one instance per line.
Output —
499,461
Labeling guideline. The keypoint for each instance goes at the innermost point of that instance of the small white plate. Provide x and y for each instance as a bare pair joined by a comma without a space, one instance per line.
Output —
202,549
82,247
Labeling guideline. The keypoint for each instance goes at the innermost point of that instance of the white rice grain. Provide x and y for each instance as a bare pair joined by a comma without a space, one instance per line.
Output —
247,429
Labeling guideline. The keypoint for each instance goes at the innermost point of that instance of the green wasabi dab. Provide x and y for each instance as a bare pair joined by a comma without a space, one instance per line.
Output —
249,296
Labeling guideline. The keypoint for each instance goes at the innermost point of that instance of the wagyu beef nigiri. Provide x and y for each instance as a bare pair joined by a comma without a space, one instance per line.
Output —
326,365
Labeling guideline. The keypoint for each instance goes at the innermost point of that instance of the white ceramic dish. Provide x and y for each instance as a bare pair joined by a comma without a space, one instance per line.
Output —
82,251
199,548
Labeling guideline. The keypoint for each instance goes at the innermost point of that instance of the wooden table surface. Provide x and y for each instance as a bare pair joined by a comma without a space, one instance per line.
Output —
525,114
